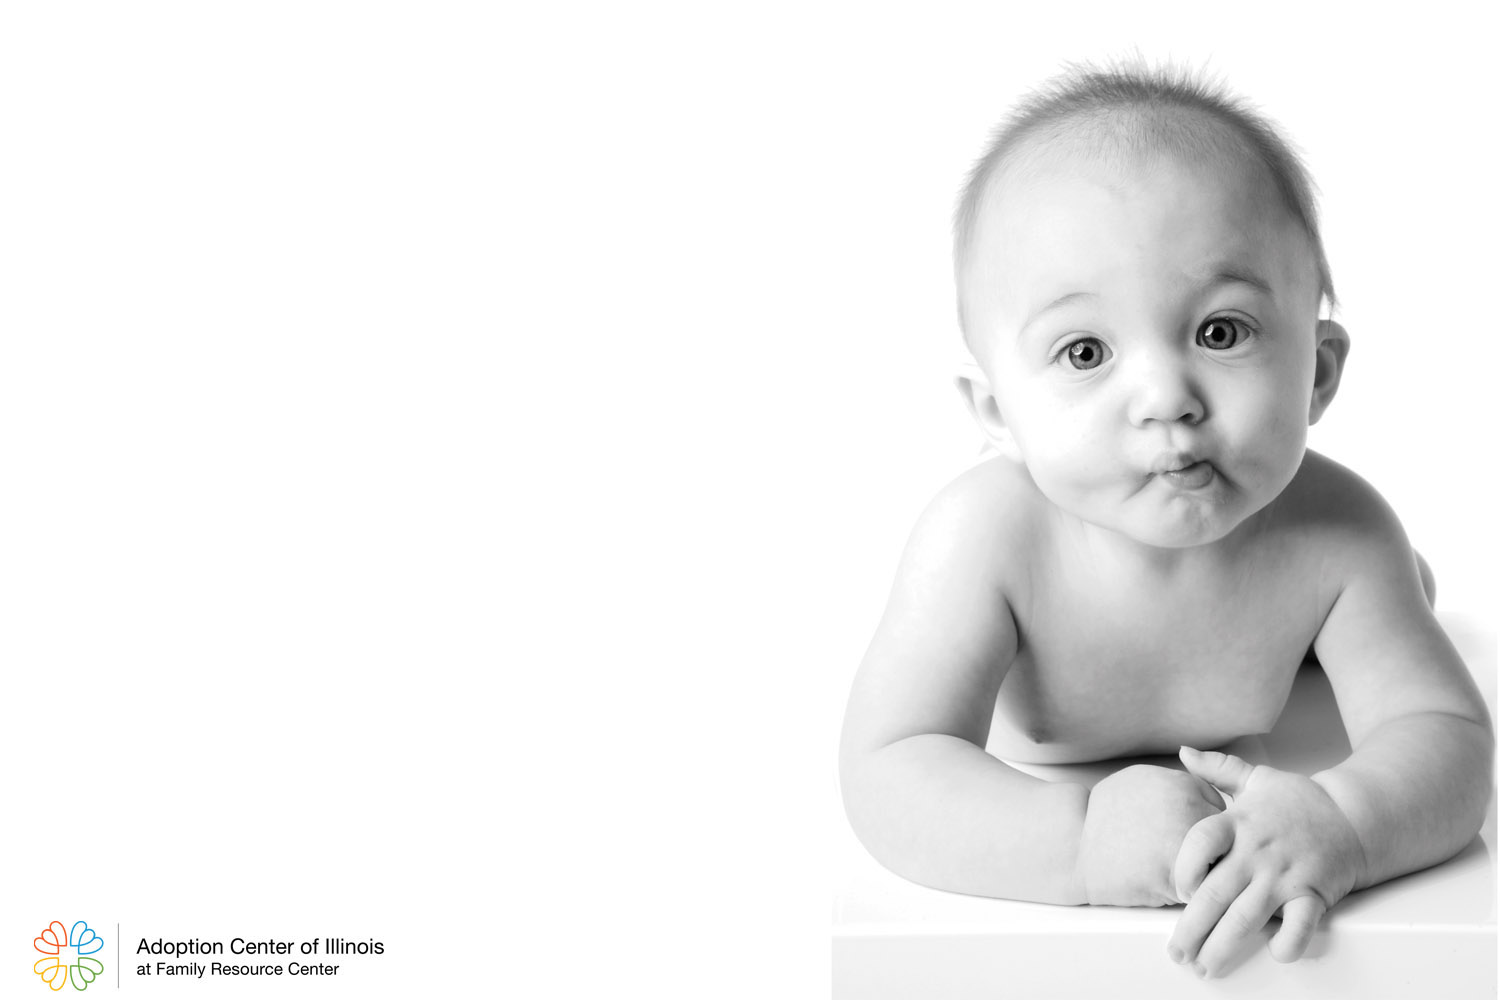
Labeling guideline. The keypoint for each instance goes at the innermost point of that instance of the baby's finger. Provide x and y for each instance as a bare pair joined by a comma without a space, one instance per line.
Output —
1299,918
1222,887
1208,793
1244,918
1222,770
1206,841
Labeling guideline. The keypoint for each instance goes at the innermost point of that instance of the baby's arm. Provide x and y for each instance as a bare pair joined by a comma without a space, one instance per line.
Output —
1412,793
1418,782
922,794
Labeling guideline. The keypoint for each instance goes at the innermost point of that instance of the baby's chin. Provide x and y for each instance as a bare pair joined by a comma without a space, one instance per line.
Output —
1180,526
1181,536
1194,527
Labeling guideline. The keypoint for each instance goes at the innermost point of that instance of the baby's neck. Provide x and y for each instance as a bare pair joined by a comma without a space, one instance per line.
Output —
1119,558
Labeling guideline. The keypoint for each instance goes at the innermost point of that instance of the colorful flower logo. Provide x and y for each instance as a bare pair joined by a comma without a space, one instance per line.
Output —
66,953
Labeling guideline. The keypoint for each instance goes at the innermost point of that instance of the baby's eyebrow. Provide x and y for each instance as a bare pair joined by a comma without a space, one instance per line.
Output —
1216,275
1231,274
1057,303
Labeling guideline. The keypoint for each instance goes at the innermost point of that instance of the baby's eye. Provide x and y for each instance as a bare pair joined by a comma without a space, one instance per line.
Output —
1221,333
1086,353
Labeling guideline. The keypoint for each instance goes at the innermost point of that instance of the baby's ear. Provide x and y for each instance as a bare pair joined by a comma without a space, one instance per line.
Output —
974,386
1333,348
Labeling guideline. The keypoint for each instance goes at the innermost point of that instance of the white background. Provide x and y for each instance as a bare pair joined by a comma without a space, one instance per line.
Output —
454,455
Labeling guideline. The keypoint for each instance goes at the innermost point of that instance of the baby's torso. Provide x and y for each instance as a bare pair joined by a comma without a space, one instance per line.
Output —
1074,698
1119,666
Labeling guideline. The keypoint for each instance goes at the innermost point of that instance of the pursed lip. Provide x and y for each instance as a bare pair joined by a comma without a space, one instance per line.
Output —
1178,461
1193,476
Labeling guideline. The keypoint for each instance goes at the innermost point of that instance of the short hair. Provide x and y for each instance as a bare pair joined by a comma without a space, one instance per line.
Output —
1138,107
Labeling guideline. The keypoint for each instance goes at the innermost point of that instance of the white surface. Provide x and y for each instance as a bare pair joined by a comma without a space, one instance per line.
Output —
1434,929
456,453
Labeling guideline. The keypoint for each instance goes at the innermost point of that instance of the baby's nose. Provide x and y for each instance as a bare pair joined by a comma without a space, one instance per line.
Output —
1164,391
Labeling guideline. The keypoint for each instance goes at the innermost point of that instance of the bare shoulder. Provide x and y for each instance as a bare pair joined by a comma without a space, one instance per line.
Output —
1332,524
1336,512
981,524
1380,645
947,637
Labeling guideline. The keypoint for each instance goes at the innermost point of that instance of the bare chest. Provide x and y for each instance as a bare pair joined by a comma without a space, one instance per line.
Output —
1149,672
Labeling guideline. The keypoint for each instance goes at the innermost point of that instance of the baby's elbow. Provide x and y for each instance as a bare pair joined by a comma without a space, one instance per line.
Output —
1487,751
861,797
1476,731
882,827
1486,735
856,787
1479,729
1468,718
1481,732
871,804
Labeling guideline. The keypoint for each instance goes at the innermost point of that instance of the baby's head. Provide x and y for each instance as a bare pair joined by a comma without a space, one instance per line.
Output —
1139,275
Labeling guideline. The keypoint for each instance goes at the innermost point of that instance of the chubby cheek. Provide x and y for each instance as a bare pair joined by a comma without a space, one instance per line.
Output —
1289,442
1272,440
1068,455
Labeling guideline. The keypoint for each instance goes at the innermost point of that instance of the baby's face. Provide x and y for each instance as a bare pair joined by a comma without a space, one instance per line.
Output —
1150,336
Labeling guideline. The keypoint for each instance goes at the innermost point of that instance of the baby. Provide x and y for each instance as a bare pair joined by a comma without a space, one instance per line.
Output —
1153,551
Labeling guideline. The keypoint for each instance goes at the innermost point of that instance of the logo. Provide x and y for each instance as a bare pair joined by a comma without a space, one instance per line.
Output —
67,955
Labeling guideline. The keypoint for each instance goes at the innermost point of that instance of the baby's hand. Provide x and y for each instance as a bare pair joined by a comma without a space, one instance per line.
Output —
1282,844
1135,825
